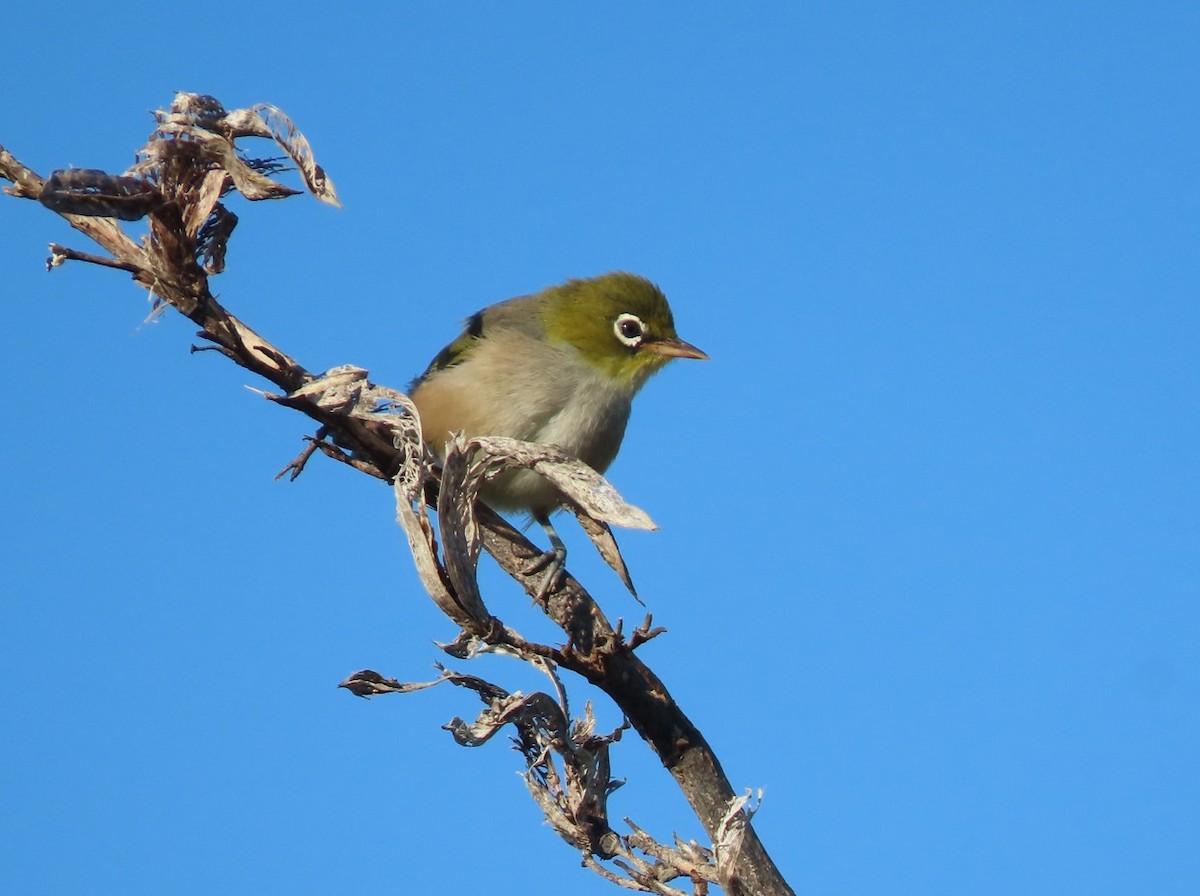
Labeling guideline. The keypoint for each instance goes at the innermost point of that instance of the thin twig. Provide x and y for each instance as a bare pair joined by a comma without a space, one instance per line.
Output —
60,254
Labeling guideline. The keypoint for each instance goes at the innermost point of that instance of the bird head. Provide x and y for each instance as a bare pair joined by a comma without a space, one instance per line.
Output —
620,323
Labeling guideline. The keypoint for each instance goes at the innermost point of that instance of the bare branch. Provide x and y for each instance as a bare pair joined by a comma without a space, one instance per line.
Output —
189,165
61,254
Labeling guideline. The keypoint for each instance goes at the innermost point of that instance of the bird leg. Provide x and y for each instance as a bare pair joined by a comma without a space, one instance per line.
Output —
553,560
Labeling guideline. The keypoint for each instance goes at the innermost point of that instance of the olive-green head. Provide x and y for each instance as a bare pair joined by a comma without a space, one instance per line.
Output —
620,323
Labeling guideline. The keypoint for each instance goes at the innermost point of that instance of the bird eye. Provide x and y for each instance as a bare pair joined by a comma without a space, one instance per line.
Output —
629,329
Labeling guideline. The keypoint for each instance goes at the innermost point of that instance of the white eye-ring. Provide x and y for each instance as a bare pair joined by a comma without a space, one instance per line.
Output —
629,329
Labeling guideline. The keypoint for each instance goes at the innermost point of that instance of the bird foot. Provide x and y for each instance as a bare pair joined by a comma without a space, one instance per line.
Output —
552,562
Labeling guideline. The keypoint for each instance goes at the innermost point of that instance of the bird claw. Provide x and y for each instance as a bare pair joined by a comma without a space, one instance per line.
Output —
552,562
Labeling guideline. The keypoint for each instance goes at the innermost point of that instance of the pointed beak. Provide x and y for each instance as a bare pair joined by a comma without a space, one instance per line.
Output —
675,348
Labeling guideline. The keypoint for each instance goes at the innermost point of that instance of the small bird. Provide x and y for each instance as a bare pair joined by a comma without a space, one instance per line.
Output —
558,367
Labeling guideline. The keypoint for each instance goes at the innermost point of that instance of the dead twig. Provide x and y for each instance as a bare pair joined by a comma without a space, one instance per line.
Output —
183,174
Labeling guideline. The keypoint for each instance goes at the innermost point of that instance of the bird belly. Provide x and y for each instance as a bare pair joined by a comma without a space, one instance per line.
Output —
589,427
554,399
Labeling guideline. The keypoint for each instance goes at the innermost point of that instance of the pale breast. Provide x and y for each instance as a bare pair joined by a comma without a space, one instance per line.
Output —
517,386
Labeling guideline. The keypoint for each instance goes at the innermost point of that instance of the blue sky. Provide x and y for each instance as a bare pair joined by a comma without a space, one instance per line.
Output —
928,556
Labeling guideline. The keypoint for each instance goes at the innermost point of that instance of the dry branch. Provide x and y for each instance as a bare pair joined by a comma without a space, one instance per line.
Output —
190,164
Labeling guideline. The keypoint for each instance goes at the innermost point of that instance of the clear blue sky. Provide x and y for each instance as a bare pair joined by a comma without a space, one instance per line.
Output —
930,519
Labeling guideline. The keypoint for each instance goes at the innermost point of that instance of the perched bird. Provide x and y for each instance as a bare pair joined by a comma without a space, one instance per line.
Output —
559,367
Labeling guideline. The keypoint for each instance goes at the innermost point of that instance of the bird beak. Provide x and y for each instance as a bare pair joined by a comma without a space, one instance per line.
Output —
675,348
